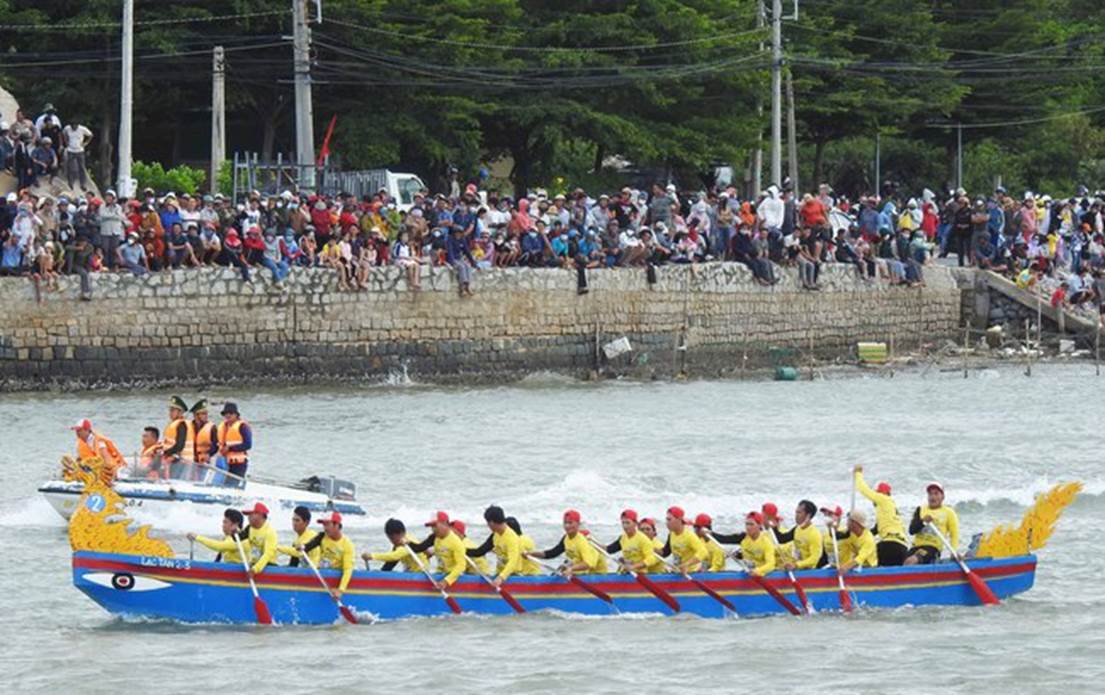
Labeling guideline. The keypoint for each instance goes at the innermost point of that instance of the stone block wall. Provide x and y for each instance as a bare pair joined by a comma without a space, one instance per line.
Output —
206,326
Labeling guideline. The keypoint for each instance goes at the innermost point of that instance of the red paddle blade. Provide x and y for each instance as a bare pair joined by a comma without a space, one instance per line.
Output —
984,593
262,611
774,593
845,601
347,613
659,593
453,605
592,590
802,597
715,595
510,599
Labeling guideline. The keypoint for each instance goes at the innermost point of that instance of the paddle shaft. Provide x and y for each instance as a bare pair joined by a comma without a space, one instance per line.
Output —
444,594
666,598
793,580
503,593
264,616
342,608
675,567
845,599
596,592
985,593
770,590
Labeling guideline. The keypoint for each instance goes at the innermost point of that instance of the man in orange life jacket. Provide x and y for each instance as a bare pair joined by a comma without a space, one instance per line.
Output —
149,461
175,452
204,442
235,441
91,444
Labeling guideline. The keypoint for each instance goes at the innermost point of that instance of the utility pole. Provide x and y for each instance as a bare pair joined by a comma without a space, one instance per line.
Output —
959,156
304,118
218,114
878,163
126,102
776,92
758,155
792,137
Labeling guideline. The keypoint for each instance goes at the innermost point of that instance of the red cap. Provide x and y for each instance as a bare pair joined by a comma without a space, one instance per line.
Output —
572,515
649,520
258,508
831,511
769,509
883,488
936,485
678,513
630,514
439,518
84,424
334,518
459,526
703,520
755,516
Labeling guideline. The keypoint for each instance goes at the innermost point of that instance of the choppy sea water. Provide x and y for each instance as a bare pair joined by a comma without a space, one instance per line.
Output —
546,444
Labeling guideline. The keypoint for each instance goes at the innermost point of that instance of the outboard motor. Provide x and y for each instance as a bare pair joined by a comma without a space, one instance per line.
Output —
332,487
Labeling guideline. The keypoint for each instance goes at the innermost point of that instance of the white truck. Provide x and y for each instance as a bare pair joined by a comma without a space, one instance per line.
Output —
400,186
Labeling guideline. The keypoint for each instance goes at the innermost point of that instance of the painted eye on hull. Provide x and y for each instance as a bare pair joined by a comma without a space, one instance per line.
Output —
125,581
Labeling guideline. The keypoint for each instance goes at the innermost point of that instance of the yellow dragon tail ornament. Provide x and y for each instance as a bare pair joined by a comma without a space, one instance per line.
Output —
1035,528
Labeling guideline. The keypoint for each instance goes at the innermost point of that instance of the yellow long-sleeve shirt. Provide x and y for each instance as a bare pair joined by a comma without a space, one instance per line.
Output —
399,554
580,551
226,546
452,552
262,546
689,550
304,538
760,551
508,548
862,548
844,551
529,565
887,518
809,544
946,520
715,560
338,554
640,549
481,562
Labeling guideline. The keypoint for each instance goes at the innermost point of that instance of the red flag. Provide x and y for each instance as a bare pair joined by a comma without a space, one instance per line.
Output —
325,151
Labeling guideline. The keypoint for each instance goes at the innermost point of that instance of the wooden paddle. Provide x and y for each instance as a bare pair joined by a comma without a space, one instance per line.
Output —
644,581
259,606
506,596
845,598
589,588
345,611
793,580
771,591
702,586
453,605
985,594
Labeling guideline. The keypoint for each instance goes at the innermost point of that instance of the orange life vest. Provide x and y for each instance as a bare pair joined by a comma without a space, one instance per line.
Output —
101,446
170,438
229,436
146,459
201,444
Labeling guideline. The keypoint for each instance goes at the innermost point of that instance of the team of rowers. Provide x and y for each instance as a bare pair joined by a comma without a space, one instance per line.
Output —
765,545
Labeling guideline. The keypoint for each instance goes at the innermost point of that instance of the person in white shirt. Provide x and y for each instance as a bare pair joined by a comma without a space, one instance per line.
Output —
76,138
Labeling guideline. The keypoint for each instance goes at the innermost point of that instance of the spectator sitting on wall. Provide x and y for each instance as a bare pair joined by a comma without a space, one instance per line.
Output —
132,256
232,254
44,159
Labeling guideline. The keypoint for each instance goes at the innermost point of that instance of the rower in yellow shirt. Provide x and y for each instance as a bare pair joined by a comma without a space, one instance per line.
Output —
582,556
892,545
638,549
833,519
304,537
773,526
396,532
689,550
715,560
337,552
805,540
505,543
757,547
648,527
926,545
528,545
226,547
262,538
461,529
861,544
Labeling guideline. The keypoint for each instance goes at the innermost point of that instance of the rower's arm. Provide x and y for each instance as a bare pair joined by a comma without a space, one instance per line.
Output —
222,546
247,439
423,545
666,550
346,565
484,548
555,551
615,547
780,536
268,554
729,538
915,524
864,489
393,555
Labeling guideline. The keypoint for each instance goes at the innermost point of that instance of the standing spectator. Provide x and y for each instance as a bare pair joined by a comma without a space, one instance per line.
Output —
78,259
112,221
23,161
7,146
76,138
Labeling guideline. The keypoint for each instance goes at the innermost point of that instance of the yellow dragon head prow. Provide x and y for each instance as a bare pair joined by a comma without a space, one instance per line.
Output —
100,523
1035,528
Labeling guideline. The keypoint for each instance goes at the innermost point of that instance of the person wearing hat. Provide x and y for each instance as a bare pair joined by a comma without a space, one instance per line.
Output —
177,435
757,547
337,552
396,533
226,547
262,538
461,529
638,549
91,444
48,126
132,256
703,528
235,439
306,538
203,444
802,547
860,543
582,556
447,547
892,546
834,524
648,526
505,543
687,548
44,158
926,545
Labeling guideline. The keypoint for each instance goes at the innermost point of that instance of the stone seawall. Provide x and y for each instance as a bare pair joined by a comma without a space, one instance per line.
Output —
206,326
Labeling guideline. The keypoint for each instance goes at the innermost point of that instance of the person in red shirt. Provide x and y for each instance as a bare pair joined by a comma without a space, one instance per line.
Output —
813,212
1059,296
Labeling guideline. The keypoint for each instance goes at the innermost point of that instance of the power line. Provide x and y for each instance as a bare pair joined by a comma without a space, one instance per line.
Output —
1023,121
80,26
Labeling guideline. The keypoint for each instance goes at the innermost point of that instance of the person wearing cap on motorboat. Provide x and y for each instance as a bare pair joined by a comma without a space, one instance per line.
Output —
860,543
396,532
757,547
926,545
227,547
235,440
447,547
262,538
204,442
892,546
638,549
337,552
807,547
309,541
689,550
505,543
91,444
176,436
582,556
703,528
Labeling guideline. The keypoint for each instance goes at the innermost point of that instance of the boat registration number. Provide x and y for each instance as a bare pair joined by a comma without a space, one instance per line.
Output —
165,563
